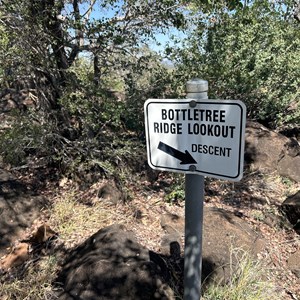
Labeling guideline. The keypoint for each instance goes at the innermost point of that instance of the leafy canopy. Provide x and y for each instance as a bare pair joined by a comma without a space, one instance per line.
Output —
252,54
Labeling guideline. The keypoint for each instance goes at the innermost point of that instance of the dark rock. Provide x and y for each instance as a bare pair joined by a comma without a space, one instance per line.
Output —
112,265
290,167
292,132
172,223
170,244
110,193
223,232
257,146
292,147
291,208
171,241
266,150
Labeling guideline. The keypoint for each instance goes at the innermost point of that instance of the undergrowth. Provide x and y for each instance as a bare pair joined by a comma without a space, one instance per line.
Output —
77,216
34,284
74,220
248,280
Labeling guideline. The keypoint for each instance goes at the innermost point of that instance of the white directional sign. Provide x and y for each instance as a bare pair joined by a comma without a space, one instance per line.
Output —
204,137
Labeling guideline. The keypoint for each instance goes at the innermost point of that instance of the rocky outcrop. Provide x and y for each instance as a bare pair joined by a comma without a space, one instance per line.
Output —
112,265
266,150
223,233
224,236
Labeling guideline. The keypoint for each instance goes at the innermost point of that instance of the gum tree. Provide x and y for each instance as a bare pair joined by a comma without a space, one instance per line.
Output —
51,34
72,52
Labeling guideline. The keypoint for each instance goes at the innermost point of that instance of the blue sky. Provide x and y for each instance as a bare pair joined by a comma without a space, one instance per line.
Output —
164,39
100,12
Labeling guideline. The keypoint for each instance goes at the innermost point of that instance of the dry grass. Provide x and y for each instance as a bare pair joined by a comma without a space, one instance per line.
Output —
248,281
77,215
34,284
75,221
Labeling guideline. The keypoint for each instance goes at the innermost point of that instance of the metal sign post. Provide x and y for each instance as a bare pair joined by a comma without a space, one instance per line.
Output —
198,137
194,199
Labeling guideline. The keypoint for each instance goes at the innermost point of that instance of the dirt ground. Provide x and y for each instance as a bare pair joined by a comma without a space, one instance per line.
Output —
256,200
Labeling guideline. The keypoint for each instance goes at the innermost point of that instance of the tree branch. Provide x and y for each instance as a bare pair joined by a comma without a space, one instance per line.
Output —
297,11
88,12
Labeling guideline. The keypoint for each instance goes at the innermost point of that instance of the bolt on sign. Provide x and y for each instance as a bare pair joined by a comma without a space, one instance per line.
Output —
204,137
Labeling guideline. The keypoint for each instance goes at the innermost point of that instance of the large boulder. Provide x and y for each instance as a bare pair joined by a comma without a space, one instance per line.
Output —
225,238
266,150
112,265
224,234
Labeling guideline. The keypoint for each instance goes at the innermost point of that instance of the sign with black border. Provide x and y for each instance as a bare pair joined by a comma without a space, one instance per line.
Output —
204,137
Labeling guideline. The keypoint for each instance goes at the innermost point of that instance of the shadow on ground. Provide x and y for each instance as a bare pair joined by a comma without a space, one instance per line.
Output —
18,208
112,265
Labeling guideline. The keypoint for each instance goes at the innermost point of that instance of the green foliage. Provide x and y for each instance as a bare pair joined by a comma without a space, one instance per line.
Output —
209,5
287,181
7,53
117,102
148,78
251,54
18,140
3,45
91,75
176,192
90,132
175,196
50,38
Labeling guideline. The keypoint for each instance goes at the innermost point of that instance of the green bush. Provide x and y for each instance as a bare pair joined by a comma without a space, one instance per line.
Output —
176,191
251,54
21,137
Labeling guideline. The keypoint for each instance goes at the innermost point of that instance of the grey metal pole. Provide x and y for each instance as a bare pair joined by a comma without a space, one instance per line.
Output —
194,198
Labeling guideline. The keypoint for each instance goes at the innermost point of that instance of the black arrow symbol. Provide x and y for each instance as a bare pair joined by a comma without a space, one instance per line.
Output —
184,157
